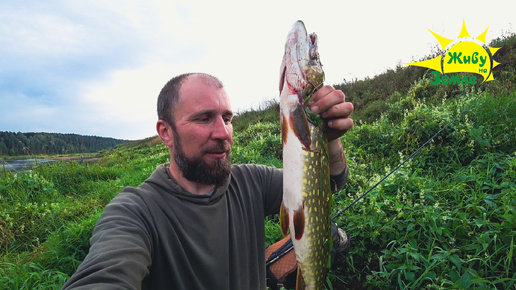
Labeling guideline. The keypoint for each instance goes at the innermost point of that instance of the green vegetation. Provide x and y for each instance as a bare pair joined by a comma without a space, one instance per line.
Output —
446,219
17,144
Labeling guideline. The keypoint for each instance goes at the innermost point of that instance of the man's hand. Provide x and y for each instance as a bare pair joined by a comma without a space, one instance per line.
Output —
334,109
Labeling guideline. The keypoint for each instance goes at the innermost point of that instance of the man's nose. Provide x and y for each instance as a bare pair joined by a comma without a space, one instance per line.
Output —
221,130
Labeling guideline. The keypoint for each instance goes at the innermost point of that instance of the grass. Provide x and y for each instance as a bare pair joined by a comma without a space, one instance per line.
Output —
446,219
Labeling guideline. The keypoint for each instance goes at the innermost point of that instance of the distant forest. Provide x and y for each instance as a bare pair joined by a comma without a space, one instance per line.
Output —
14,144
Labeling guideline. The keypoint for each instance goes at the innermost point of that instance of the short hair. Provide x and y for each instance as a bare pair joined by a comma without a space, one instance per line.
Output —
169,94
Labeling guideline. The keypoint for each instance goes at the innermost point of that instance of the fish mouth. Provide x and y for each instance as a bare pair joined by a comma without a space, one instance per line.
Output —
313,38
301,70
295,52
312,52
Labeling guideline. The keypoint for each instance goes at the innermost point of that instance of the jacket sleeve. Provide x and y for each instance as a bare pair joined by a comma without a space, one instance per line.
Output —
121,251
273,189
338,181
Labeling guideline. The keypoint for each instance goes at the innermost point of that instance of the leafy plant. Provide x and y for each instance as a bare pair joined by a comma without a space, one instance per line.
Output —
446,219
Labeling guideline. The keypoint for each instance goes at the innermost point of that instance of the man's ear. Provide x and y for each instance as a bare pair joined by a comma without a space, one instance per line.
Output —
165,133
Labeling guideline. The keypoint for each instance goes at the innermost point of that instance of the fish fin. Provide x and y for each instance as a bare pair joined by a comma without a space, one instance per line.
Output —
299,222
284,220
282,73
284,129
299,125
300,280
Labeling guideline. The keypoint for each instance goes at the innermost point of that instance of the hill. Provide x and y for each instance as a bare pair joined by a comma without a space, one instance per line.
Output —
371,96
16,144
445,219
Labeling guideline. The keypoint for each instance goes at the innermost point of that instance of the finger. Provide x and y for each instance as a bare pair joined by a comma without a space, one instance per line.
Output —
321,93
327,99
338,127
341,124
339,110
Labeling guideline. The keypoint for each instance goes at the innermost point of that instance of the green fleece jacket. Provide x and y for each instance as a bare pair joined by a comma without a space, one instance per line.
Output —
159,236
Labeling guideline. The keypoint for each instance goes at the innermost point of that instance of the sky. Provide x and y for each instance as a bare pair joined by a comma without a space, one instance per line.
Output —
96,67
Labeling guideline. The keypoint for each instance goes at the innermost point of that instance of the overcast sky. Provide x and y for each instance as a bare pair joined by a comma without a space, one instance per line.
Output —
96,67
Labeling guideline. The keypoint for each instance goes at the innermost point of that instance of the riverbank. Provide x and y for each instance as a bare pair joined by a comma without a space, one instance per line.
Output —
20,164
23,164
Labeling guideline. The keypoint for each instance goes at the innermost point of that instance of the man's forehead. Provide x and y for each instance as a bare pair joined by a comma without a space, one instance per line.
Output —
195,85
199,94
206,80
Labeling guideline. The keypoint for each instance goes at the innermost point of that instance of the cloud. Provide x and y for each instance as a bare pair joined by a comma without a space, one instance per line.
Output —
96,67
51,55
21,112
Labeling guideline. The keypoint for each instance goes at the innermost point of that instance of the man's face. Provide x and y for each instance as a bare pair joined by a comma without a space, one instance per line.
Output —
203,133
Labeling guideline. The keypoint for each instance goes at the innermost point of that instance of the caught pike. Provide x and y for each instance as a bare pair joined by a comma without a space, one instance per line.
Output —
306,175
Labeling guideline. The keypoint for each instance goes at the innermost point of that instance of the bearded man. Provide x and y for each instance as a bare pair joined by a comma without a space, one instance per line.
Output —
198,221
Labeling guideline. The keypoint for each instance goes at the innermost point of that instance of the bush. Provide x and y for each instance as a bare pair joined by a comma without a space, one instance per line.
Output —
445,219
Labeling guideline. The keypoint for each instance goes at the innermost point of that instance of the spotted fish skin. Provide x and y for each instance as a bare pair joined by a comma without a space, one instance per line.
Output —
305,210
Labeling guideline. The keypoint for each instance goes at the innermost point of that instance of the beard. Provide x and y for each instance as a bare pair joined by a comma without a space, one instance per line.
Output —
197,170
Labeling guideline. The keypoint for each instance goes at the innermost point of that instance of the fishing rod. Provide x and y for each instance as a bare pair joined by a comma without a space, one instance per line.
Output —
288,246
339,213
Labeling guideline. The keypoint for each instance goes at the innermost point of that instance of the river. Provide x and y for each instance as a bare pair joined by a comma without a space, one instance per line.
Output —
23,164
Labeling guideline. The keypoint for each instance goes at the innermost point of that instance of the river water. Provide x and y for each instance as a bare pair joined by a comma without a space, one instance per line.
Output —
22,164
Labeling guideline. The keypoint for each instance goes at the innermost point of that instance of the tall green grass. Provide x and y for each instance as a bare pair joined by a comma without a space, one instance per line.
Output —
47,214
446,219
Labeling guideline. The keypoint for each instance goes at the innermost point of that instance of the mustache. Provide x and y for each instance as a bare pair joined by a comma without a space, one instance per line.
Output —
219,146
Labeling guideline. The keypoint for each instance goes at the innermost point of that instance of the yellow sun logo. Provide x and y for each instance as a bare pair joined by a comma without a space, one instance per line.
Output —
464,54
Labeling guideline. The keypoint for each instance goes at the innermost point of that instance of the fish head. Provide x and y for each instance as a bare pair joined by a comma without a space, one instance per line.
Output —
301,69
